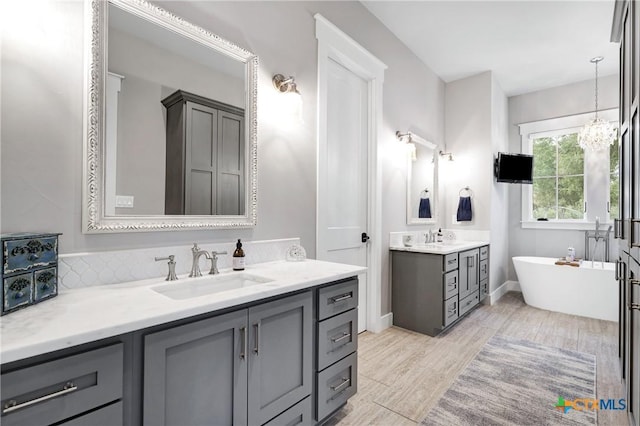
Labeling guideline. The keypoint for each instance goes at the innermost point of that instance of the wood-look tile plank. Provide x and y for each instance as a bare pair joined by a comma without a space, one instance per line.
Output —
402,374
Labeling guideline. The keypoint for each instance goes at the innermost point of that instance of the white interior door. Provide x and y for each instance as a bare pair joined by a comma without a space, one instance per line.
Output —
343,175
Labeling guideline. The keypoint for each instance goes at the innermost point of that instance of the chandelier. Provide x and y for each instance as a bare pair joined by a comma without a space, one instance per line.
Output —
598,134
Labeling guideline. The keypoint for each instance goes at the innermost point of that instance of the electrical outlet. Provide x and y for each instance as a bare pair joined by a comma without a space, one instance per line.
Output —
124,201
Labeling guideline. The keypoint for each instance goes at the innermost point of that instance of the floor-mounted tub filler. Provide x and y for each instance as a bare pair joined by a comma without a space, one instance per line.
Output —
589,290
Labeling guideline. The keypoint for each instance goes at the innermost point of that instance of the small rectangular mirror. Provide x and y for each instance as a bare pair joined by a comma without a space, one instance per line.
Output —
422,182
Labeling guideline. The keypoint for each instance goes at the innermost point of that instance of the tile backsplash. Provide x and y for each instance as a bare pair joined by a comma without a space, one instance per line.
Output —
110,267
395,238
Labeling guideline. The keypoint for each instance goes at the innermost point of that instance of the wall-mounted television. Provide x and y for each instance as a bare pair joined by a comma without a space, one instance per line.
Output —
514,168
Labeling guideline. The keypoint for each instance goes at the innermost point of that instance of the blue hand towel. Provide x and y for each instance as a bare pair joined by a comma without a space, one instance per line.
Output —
424,211
464,209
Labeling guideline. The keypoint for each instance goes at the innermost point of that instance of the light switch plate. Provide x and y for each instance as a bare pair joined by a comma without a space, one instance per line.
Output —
124,201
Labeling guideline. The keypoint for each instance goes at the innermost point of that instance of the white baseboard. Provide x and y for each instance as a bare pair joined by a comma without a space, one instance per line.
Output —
502,290
384,322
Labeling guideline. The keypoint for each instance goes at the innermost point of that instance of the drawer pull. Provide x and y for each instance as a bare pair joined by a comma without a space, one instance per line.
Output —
341,338
453,284
452,261
340,298
616,229
634,306
256,348
243,340
632,241
345,382
13,406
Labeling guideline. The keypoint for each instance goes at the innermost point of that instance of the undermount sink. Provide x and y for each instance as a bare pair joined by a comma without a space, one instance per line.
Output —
196,287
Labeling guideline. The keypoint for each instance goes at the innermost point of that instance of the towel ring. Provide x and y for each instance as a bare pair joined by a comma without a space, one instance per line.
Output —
467,190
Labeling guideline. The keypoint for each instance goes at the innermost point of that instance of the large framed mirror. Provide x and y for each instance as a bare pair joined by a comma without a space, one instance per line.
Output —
422,182
170,123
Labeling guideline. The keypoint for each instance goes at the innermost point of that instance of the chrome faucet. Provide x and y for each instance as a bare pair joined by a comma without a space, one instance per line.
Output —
214,262
430,237
172,267
195,266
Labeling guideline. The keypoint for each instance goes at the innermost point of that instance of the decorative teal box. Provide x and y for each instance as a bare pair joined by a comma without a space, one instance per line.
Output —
29,269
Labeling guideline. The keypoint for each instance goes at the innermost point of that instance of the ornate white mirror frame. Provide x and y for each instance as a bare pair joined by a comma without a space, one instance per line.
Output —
94,219
422,146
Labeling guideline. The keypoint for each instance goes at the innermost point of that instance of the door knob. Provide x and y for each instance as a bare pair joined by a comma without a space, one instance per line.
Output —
365,237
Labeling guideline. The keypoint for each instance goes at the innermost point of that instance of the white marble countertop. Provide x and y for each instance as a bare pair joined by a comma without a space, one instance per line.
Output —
93,313
441,248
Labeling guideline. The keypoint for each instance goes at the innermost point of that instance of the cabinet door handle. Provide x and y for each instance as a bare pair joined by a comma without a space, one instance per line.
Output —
13,405
616,228
256,348
345,382
634,306
243,342
341,338
340,298
470,261
632,233
617,271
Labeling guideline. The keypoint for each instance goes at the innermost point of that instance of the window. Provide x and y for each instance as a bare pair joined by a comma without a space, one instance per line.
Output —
558,177
570,187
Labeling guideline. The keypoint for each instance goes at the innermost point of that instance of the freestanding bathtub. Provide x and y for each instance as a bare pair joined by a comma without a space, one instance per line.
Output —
586,291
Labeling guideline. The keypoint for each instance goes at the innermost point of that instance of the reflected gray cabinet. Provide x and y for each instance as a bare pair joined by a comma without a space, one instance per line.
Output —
431,292
245,367
205,156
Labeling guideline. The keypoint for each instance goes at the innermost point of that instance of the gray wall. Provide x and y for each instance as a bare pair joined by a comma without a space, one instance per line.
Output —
476,128
468,135
42,95
499,222
560,101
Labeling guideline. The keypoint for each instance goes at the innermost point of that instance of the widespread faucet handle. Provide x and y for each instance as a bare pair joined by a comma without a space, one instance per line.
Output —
214,262
171,276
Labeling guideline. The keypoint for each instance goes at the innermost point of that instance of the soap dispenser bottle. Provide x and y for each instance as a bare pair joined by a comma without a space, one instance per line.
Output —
238,257
439,236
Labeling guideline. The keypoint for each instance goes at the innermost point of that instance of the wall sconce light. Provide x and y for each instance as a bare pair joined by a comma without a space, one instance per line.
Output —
291,104
407,138
449,155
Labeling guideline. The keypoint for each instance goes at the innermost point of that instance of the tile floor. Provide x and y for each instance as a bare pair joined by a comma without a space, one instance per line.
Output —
402,374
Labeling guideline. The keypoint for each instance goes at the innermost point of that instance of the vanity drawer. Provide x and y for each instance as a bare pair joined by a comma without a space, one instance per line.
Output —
299,414
484,252
450,310
28,253
56,390
336,385
111,415
469,302
451,262
337,298
450,284
484,269
337,337
484,289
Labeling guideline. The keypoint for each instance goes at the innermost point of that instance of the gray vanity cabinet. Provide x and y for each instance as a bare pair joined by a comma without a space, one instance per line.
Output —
245,367
196,374
280,356
431,292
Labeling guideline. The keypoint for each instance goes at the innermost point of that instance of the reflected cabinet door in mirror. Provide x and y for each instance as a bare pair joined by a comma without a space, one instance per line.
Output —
170,137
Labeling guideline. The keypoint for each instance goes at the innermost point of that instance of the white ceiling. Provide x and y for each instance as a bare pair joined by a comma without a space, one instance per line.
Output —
529,45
